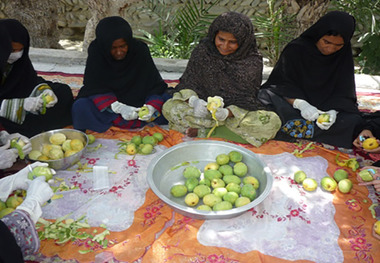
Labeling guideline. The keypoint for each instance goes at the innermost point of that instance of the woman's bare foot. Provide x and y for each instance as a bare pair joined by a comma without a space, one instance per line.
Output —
192,132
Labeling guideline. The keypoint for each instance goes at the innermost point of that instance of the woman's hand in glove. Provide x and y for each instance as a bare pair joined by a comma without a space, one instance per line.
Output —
332,118
27,148
50,97
199,106
33,104
148,115
8,158
127,112
221,114
308,112
37,194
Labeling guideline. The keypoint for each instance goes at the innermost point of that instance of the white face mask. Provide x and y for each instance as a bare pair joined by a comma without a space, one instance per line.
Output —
13,57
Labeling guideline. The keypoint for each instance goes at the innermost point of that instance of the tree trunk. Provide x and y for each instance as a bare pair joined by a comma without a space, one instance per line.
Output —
99,10
308,12
39,17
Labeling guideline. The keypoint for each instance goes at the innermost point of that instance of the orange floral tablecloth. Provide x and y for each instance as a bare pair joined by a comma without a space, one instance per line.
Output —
157,234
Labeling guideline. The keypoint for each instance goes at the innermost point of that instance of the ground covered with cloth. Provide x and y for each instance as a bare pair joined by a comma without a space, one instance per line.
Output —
290,225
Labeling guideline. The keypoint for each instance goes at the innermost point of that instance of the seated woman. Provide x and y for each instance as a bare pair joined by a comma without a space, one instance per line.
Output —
227,64
120,78
19,237
29,104
315,76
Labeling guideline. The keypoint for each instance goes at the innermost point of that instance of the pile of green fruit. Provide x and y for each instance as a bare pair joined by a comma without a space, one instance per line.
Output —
339,181
139,144
59,147
223,184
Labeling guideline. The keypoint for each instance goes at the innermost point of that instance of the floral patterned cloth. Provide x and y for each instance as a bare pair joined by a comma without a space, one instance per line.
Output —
291,224
22,228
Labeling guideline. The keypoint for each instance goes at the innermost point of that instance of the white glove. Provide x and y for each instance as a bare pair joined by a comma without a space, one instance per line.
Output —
4,137
327,125
148,116
28,145
8,158
127,112
308,111
37,194
33,104
199,106
221,114
50,93
16,181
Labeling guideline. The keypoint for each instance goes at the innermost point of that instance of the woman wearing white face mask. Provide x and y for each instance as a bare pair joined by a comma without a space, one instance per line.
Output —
22,93
14,56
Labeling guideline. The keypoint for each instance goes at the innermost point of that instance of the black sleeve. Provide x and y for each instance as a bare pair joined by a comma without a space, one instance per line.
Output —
10,252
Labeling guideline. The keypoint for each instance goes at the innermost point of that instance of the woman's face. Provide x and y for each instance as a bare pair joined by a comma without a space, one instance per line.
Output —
119,49
226,43
16,47
328,45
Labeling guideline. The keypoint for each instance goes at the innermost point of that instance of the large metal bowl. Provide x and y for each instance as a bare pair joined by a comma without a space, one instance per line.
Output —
165,170
61,164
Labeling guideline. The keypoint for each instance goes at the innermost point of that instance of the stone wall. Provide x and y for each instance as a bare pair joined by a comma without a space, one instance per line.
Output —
72,15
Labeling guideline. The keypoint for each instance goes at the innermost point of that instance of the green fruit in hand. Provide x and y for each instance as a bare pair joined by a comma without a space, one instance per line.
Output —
178,190
230,197
241,201
17,143
137,140
191,183
235,156
204,208
216,182
202,190
146,149
144,110
2,205
251,180
41,171
248,191
231,179
91,138
212,174
224,205
324,117
232,187
159,136
299,176
220,191
149,140
340,174
13,201
366,175
345,186
222,159
226,169
211,200
240,169
191,171
191,199
328,183
211,166
6,211
309,184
